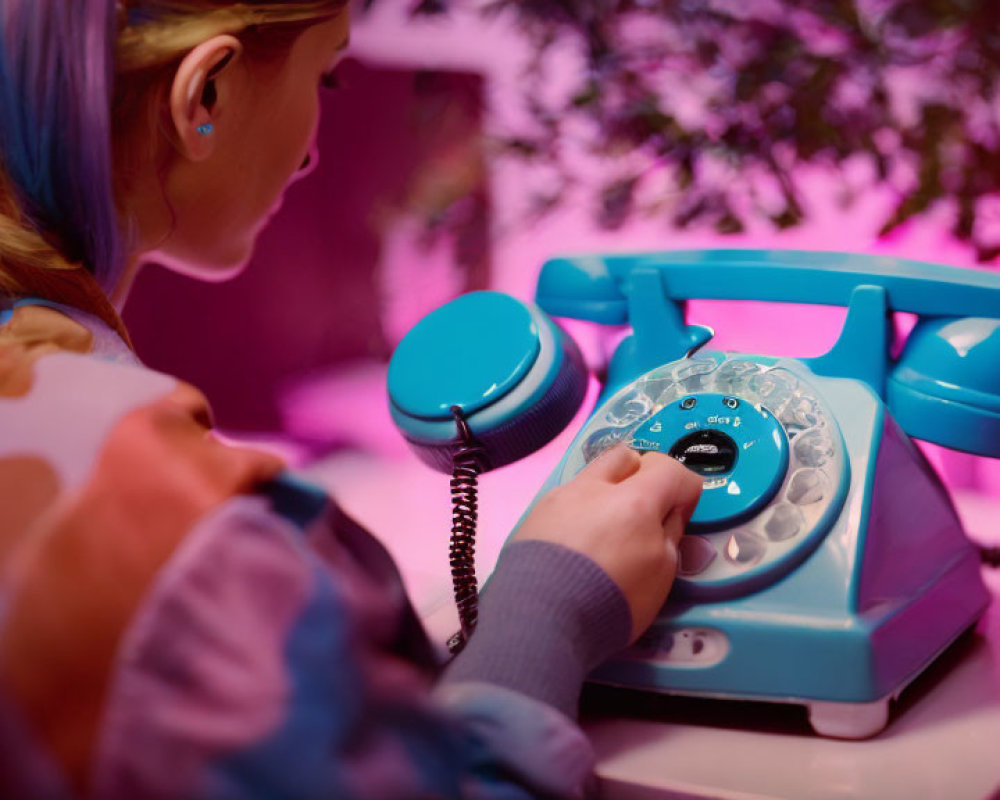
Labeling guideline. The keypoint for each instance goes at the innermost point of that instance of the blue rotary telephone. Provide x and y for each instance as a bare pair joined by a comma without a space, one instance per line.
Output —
824,564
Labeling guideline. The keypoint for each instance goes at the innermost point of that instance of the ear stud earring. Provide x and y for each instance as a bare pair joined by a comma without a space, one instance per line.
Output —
206,129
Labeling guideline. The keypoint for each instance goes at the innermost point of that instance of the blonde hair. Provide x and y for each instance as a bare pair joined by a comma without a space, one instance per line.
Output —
98,69
176,26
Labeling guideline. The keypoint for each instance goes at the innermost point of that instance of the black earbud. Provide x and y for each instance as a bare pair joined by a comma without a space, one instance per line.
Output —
210,94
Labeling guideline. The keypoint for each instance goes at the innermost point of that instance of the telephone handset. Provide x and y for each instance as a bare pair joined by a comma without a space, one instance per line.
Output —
824,564
483,381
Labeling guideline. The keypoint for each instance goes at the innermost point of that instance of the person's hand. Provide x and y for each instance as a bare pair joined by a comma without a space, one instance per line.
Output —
626,512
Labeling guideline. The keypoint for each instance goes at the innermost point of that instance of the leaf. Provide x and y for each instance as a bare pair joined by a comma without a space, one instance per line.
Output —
987,253
617,202
787,218
430,8
590,95
526,148
728,224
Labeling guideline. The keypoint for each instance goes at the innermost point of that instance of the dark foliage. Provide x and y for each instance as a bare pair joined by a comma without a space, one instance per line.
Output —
717,105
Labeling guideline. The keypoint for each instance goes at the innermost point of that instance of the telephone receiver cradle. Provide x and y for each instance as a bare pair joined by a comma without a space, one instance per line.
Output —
824,564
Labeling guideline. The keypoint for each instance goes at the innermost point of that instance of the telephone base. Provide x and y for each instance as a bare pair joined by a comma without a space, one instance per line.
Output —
864,720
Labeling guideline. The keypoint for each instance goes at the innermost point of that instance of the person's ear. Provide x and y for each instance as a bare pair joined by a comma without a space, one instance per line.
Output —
198,96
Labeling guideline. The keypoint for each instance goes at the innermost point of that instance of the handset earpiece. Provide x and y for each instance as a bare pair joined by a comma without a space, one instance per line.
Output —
516,377
479,383
945,387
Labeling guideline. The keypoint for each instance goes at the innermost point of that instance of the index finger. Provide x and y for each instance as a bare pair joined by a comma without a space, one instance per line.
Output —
671,485
613,465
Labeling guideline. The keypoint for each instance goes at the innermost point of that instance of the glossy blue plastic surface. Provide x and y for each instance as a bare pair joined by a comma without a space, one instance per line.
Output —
761,461
956,359
468,353
862,349
606,288
596,287
659,332
515,375
946,386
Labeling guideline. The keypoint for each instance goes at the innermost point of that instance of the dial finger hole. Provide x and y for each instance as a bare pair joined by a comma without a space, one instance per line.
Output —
807,486
783,522
630,408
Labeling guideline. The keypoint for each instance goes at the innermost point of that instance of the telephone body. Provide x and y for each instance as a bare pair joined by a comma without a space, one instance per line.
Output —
824,564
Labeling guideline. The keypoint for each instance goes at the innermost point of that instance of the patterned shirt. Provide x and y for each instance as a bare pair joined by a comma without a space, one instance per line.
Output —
181,618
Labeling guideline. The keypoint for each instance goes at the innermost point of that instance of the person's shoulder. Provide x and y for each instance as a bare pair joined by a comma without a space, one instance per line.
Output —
31,334
106,469
60,400
88,436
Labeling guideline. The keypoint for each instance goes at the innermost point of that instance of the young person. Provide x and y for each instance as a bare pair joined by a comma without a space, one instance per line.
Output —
180,618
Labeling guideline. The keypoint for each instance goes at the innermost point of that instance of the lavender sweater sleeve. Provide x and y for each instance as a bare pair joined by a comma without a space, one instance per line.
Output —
547,617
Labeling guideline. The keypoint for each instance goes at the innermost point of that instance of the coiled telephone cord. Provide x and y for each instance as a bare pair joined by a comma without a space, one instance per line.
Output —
469,461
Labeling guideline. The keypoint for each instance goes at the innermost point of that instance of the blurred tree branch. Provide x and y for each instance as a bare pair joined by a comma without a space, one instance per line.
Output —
711,108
